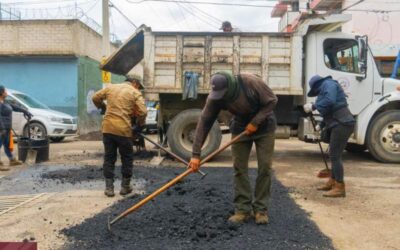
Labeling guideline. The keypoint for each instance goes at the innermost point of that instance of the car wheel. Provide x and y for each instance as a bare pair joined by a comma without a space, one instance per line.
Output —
57,139
383,138
37,131
181,133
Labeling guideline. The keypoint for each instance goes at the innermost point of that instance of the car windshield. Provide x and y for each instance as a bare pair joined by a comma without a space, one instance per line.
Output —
30,102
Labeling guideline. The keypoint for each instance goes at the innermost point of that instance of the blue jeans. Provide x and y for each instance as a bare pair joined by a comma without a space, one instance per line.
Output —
5,140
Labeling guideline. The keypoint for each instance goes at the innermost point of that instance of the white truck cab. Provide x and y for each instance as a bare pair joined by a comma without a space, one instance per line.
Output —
373,100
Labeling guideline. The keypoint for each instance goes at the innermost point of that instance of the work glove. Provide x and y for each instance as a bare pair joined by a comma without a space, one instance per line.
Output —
194,164
137,129
250,129
318,128
28,115
308,107
103,110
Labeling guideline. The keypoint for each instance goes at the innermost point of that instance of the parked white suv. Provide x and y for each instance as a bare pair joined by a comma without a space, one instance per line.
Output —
45,121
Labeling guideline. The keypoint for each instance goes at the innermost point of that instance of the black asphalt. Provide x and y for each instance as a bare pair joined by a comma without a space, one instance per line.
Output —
192,215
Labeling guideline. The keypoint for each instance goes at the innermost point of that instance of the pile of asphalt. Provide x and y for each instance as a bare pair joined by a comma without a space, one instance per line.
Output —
193,215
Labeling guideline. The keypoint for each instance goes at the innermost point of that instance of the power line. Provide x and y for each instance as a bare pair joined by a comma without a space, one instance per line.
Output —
200,18
206,3
120,12
203,12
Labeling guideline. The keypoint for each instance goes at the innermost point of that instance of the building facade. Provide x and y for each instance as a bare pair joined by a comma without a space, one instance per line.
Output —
56,62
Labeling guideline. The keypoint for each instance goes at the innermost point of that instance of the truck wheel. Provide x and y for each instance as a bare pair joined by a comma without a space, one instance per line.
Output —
383,138
355,148
181,133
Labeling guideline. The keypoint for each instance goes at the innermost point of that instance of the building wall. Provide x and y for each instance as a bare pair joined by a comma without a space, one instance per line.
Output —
53,81
89,81
381,27
50,37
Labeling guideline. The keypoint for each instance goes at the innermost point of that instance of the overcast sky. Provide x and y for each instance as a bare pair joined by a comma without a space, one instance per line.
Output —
169,16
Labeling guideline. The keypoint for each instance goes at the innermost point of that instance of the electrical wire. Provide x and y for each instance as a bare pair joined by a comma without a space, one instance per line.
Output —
199,18
122,14
206,3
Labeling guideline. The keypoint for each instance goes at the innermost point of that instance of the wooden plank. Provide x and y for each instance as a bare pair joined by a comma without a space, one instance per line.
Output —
193,55
265,59
236,55
216,67
207,63
251,68
194,41
178,68
148,66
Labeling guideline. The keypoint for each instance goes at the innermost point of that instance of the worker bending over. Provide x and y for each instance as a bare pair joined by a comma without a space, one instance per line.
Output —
124,101
338,122
251,102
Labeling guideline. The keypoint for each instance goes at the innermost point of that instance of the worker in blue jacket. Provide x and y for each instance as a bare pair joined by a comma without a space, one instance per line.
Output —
338,122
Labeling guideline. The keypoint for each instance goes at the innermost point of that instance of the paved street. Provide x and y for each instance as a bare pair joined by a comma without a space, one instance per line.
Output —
366,219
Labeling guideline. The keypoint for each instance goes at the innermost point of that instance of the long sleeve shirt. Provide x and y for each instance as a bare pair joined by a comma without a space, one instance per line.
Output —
6,110
331,99
261,116
123,103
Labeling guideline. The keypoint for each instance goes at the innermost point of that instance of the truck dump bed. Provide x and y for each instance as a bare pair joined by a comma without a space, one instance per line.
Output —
166,56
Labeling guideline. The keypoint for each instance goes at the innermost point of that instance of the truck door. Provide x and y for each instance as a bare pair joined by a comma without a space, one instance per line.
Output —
338,57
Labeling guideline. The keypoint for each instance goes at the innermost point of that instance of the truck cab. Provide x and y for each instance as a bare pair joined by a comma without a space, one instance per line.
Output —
372,99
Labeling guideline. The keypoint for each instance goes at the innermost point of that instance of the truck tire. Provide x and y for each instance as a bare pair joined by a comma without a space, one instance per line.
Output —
383,137
181,133
355,148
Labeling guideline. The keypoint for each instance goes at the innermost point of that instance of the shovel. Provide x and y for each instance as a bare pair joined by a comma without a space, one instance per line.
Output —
326,172
31,154
177,157
171,183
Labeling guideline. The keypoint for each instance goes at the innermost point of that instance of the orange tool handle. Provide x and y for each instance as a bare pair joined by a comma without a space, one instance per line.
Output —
174,181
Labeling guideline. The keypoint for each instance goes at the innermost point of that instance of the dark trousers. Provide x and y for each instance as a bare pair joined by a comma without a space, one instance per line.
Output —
340,134
112,143
5,141
243,199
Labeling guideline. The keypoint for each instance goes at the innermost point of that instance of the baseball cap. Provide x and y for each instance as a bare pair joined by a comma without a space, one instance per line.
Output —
219,86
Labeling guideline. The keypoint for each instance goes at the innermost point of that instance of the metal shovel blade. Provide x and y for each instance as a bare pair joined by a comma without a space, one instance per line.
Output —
156,161
31,157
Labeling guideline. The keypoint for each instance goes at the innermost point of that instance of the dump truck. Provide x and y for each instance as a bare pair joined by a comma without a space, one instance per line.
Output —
285,61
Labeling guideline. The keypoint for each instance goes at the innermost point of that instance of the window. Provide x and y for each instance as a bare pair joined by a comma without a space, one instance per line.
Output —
341,55
12,101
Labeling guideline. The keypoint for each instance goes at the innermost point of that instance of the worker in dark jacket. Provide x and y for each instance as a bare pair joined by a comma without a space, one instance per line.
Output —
6,138
331,103
251,102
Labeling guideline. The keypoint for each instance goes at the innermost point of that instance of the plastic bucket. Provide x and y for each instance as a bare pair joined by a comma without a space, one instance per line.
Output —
40,145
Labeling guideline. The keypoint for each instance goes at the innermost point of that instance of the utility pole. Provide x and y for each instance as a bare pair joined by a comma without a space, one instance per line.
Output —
106,76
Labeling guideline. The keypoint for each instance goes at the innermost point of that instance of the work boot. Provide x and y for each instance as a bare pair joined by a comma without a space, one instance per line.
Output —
327,186
3,168
239,217
109,191
15,162
126,186
262,218
338,190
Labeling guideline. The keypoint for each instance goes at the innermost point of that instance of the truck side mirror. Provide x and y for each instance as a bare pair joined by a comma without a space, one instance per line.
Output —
362,55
